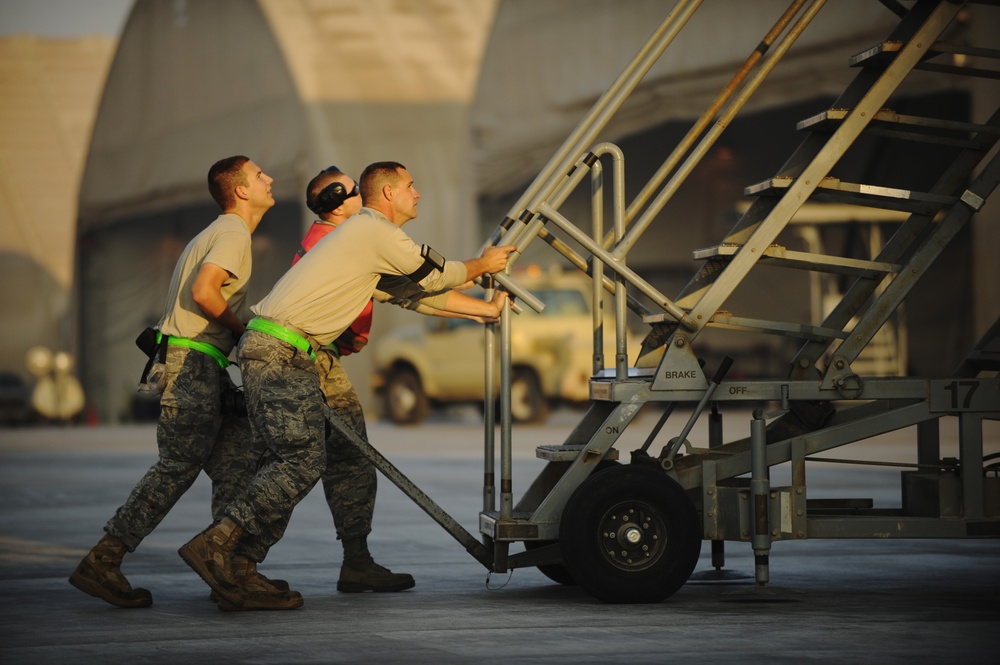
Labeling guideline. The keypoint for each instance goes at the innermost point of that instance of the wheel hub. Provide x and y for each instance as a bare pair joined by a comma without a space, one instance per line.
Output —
403,399
633,536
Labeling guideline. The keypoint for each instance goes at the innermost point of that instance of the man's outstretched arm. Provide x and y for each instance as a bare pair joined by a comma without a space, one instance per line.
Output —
493,260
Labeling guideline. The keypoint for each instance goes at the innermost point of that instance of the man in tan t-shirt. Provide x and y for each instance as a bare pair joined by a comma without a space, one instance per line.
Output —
349,479
309,307
203,318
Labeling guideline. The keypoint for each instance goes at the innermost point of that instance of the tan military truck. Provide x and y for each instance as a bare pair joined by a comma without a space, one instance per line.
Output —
440,361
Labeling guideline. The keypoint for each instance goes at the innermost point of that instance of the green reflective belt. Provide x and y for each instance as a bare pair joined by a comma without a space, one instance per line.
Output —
282,333
203,347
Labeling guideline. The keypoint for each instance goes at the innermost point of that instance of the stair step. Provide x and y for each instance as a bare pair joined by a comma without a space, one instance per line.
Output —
839,191
882,54
777,255
567,453
633,373
983,361
727,321
660,317
984,356
890,124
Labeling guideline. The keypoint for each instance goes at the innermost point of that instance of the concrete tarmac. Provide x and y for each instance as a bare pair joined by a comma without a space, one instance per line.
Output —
874,601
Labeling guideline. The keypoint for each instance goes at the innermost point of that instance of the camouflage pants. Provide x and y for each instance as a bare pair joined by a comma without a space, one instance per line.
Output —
349,480
191,434
287,414
233,462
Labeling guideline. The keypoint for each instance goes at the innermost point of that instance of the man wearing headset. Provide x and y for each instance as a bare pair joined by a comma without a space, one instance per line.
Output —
349,479
309,308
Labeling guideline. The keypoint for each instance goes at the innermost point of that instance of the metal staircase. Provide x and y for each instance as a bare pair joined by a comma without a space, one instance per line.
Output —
633,532
822,403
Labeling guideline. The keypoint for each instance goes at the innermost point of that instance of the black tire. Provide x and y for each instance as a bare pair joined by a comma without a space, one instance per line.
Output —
527,402
557,572
630,535
406,402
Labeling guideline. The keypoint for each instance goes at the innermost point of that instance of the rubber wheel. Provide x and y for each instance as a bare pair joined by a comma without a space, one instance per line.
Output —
557,572
527,402
630,535
406,402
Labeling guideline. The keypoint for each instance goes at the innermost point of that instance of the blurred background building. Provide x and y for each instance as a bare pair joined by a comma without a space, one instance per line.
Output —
50,90
107,143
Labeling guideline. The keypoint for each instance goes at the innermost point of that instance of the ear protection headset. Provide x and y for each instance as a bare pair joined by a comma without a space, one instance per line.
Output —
332,197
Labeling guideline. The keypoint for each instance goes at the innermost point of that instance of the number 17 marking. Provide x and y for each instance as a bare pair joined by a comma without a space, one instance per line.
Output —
955,386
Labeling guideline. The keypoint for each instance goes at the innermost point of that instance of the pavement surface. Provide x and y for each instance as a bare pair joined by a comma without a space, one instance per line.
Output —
859,601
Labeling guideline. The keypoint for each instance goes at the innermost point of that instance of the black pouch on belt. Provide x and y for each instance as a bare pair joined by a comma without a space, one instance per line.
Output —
155,351
146,341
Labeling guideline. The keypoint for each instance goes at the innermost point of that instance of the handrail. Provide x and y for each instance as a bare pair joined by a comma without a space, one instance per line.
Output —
766,66
702,122
604,108
557,192
612,262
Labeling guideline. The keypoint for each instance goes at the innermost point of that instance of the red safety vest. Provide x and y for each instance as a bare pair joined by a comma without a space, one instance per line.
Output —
355,337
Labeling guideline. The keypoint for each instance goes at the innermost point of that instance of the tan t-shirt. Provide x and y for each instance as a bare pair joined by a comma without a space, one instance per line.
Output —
225,243
325,291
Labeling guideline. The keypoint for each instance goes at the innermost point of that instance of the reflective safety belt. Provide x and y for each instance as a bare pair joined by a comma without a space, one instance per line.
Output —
203,347
282,333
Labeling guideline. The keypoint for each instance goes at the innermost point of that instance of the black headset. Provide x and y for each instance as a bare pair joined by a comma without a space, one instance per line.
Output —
332,197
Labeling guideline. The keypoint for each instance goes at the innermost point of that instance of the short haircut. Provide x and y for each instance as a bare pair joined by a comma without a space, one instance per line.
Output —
223,179
319,183
375,177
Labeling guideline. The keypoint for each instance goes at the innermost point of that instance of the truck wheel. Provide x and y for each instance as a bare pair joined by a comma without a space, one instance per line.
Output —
406,402
527,403
630,535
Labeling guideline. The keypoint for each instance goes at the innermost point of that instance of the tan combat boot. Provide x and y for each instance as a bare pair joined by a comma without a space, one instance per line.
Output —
246,570
243,566
361,573
100,575
257,592
210,555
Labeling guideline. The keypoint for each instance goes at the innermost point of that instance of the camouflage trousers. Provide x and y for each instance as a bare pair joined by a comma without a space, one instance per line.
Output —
349,479
287,415
191,434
